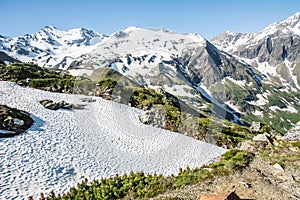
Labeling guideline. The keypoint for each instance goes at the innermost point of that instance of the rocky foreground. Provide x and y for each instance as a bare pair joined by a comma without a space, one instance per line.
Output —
273,173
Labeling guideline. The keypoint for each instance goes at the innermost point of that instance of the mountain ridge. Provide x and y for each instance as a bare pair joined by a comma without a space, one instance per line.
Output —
274,50
186,65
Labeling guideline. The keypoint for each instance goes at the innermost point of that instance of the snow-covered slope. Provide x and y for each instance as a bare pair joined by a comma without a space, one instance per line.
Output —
105,138
51,47
136,41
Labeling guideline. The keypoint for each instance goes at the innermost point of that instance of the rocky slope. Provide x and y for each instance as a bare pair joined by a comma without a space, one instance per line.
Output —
274,50
6,59
273,173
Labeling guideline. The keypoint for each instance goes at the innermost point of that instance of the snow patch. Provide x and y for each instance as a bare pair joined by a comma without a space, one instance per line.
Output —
80,72
103,139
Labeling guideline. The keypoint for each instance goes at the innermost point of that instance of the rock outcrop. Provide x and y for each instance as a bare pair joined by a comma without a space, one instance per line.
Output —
294,133
13,121
51,105
154,116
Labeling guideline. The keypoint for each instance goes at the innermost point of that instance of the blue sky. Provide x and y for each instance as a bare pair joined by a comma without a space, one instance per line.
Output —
207,18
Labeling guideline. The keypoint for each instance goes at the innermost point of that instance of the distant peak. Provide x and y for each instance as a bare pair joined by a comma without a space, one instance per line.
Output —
130,28
231,32
293,19
296,15
196,37
50,28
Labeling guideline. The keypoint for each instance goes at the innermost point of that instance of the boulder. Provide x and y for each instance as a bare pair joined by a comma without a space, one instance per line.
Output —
49,104
154,116
247,146
294,133
265,137
278,167
13,121
256,126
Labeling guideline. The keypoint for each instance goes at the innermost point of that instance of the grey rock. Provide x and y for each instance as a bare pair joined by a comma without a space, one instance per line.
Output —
294,133
247,146
13,121
290,177
262,138
278,167
49,104
256,126
154,116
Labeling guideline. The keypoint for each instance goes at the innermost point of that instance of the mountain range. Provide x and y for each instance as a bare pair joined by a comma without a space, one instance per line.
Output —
241,77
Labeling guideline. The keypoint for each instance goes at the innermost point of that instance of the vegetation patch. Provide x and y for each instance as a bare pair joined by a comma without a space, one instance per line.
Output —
27,74
140,185
283,153
143,98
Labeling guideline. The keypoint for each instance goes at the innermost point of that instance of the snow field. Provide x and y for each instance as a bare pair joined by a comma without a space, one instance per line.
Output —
105,138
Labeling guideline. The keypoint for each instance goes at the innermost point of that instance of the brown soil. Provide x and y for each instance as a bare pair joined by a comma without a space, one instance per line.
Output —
261,180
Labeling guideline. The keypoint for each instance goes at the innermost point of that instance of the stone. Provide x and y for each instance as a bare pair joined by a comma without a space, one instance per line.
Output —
227,195
88,100
256,126
19,122
247,146
13,121
294,133
262,138
154,116
278,167
49,104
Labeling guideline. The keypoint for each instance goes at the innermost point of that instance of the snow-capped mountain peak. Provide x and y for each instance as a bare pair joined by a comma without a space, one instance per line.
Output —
274,50
130,28
290,25
51,47
293,21
229,40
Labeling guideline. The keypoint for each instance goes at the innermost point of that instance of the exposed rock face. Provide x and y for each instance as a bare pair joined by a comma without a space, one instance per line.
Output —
51,105
13,121
154,116
276,48
294,133
4,58
256,126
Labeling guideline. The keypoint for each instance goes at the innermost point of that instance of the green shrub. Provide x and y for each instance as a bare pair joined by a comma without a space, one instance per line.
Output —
108,82
296,144
139,185
50,82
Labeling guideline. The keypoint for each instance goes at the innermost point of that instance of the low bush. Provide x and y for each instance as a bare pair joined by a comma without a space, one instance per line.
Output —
140,185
